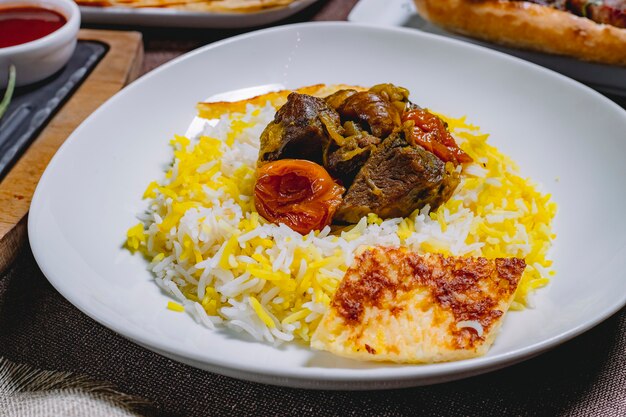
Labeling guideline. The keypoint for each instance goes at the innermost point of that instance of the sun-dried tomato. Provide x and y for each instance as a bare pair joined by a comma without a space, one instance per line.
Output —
430,132
298,193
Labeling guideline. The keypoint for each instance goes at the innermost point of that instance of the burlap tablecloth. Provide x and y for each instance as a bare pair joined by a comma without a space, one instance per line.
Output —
584,377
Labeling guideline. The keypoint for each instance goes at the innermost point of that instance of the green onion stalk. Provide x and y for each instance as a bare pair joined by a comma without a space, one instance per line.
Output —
4,104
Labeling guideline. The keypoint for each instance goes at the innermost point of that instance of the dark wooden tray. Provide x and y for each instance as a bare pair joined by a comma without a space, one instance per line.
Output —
119,66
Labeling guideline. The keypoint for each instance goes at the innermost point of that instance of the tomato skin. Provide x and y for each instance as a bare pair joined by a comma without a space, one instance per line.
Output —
298,193
430,133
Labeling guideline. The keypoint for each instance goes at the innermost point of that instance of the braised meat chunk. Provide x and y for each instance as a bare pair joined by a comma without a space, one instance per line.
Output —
346,155
299,130
391,156
397,179
372,112
368,117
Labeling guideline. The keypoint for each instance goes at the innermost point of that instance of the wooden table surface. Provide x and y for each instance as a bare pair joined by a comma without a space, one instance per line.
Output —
119,66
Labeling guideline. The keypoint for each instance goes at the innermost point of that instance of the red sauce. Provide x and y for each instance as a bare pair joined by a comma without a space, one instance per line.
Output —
19,25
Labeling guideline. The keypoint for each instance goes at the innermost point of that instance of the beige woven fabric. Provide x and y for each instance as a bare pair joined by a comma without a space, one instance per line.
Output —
29,392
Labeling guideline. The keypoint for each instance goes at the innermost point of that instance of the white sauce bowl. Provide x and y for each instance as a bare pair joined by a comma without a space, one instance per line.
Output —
38,59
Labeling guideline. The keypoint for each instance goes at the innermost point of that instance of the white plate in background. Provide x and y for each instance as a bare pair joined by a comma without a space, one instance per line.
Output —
167,17
91,191
610,79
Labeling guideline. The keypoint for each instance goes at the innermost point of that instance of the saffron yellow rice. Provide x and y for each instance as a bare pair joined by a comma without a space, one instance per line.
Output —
225,265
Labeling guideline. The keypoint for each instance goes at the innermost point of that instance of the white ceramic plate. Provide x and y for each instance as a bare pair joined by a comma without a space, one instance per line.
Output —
560,132
606,78
188,19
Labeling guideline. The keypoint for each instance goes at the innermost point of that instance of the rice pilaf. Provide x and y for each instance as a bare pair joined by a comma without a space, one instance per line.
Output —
225,264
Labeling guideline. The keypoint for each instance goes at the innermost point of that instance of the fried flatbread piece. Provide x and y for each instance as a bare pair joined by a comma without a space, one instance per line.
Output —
214,110
534,26
214,6
236,6
396,305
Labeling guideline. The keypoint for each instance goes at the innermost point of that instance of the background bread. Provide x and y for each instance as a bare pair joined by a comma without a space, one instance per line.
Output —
529,26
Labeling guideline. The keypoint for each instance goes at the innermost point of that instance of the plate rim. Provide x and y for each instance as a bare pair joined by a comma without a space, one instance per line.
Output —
190,18
312,377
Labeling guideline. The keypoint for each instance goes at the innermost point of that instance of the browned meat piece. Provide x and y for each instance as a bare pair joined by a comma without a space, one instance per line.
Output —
377,112
396,180
363,144
345,161
373,113
346,155
299,130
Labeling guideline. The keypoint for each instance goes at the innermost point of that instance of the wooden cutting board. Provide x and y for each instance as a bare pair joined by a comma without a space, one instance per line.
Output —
120,66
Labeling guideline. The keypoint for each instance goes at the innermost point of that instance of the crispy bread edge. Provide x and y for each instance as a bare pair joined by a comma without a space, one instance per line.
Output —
529,26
